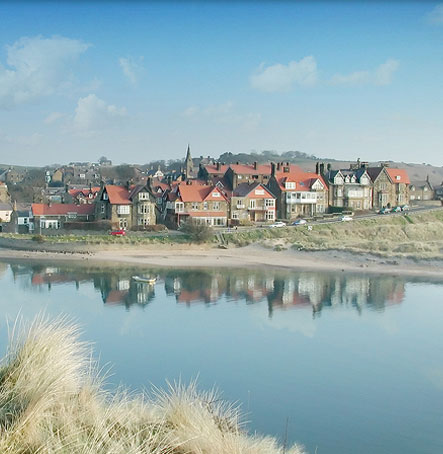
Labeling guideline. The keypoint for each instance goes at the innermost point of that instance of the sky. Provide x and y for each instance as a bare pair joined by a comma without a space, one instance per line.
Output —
138,81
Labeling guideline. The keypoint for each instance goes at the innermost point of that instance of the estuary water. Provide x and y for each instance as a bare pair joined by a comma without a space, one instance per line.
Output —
341,363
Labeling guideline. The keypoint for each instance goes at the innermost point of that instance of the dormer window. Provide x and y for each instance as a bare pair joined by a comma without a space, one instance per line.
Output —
290,185
397,177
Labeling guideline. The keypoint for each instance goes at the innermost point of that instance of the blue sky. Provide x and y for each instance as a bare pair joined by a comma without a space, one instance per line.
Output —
138,81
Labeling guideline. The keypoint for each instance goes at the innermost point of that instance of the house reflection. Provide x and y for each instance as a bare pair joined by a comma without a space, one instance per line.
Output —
281,291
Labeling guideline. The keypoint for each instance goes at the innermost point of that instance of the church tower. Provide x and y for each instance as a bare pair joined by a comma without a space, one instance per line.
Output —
189,165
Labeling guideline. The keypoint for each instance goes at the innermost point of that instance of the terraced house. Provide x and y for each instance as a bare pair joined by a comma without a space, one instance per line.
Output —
126,206
198,201
298,193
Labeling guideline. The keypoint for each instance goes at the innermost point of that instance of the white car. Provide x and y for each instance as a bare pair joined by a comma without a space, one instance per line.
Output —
346,218
277,224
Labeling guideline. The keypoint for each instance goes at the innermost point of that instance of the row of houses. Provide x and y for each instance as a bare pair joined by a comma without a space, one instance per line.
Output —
219,194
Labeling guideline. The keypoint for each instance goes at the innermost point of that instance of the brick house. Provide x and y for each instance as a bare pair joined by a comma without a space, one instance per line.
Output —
126,207
390,186
198,201
298,193
252,202
349,188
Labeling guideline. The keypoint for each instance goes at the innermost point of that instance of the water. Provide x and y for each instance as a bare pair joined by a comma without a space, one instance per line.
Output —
354,363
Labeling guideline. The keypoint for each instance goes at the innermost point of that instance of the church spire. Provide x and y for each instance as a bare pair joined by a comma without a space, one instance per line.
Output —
189,165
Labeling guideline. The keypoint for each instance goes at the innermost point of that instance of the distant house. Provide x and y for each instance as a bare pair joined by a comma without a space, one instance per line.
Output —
126,206
4,194
21,218
421,190
55,215
86,195
390,186
198,201
5,212
298,193
252,202
438,192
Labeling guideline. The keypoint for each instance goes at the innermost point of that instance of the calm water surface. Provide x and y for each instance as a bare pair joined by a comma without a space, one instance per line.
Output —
354,363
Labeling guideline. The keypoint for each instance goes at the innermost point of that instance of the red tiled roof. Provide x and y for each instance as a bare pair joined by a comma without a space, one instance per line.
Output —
85,192
249,190
61,209
401,173
212,168
118,195
198,192
303,180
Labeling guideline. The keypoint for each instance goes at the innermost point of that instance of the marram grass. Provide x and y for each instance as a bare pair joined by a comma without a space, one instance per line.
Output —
52,401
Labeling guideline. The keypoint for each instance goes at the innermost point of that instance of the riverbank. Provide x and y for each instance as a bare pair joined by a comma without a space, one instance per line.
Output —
257,256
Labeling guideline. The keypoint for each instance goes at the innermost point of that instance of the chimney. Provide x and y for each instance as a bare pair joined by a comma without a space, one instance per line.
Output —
317,168
237,162
218,166
273,169
278,165
255,165
322,168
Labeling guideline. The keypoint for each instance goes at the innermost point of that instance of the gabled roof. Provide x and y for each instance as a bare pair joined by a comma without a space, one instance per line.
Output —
374,172
85,192
398,175
61,209
421,184
134,190
198,192
245,189
303,180
212,168
118,195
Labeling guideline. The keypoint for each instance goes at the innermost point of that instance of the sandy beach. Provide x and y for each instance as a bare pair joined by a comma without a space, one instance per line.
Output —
250,256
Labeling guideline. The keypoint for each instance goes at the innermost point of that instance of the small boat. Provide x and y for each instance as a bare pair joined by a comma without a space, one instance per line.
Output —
145,280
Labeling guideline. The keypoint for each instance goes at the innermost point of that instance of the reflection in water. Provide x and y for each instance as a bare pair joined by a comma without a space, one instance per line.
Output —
282,291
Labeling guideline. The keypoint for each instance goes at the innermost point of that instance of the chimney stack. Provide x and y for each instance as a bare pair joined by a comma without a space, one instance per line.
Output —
317,168
218,166
322,168
255,165
273,169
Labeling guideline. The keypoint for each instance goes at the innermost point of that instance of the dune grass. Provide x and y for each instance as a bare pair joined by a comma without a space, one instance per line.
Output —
52,400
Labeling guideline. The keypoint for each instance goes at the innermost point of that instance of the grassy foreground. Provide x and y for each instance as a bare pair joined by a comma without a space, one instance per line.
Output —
52,401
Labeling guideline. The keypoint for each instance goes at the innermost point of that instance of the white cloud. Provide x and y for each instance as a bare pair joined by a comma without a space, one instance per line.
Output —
93,114
282,77
436,15
23,141
382,75
131,69
53,117
37,67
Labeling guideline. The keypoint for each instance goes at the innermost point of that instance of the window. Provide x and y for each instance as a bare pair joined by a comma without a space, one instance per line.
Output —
240,203
123,223
259,192
103,208
270,215
179,207
143,196
123,209
205,205
105,196
252,204
290,185
235,215
72,215
397,177
216,206
144,208
195,205
215,194
269,202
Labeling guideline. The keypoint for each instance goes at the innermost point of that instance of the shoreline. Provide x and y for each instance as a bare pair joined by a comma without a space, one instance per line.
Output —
253,256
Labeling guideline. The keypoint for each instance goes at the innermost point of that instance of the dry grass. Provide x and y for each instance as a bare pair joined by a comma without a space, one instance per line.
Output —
52,401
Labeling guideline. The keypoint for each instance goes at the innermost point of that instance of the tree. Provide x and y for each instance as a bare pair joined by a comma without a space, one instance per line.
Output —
198,233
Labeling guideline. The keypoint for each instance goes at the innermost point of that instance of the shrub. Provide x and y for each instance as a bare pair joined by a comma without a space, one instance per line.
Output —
198,233
38,238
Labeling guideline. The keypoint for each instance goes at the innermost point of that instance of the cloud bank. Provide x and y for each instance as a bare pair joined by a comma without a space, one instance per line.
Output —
37,67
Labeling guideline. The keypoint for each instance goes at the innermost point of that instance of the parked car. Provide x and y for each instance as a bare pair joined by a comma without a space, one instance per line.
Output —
278,224
385,210
396,209
120,232
346,218
299,222
405,208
